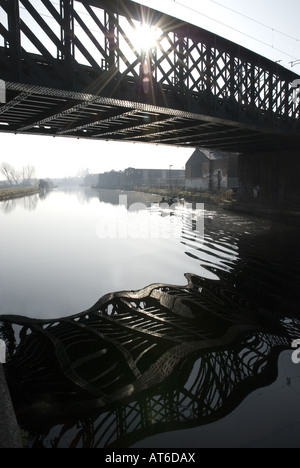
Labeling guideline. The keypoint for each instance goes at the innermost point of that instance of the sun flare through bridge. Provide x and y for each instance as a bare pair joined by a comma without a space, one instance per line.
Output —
117,70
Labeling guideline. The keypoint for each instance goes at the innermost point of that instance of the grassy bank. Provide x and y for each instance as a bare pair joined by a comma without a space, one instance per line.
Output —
192,197
17,192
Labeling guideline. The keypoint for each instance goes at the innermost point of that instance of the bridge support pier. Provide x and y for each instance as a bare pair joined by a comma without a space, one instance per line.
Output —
270,183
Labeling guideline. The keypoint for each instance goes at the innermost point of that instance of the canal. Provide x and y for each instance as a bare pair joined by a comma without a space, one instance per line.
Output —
236,385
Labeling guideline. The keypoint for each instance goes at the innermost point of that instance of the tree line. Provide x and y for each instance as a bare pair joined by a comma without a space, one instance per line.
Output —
25,176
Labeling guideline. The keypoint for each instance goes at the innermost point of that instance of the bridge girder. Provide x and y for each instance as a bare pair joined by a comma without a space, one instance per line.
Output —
76,70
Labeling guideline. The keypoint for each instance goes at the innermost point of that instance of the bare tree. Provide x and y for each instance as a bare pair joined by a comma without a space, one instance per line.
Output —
5,171
28,173
16,175
10,173
82,173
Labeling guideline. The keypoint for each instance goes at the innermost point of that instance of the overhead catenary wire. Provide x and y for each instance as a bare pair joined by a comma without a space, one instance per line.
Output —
254,20
193,10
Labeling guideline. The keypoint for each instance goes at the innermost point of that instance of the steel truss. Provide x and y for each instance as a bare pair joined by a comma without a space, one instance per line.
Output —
222,95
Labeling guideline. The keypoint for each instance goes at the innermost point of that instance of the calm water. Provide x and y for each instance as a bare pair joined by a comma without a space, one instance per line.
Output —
61,253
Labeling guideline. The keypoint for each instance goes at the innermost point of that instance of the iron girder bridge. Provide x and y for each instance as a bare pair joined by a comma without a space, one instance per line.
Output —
78,69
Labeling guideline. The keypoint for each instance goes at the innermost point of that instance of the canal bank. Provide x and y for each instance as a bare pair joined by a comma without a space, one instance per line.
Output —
191,196
229,201
285,215
9,430
17,192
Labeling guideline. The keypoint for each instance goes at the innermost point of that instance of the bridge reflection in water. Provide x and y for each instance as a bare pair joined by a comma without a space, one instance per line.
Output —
139,363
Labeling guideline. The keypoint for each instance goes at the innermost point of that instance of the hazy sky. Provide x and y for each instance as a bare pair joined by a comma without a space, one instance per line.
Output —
274,25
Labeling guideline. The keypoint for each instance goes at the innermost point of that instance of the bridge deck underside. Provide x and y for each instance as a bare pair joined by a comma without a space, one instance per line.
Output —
48,111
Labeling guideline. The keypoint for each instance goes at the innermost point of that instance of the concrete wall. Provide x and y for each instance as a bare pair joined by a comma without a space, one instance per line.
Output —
270,180
214,176
233,171
233,182
198,184
197,166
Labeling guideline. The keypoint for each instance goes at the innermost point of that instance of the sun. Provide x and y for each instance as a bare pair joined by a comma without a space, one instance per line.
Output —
146,37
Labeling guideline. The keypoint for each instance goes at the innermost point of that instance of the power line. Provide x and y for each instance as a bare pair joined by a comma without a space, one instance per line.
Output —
235,29
254,20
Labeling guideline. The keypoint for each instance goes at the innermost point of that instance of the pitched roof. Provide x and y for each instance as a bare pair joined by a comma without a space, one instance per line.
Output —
208,154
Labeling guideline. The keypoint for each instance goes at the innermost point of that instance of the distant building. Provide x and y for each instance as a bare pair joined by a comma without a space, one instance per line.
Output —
208,170
133,178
